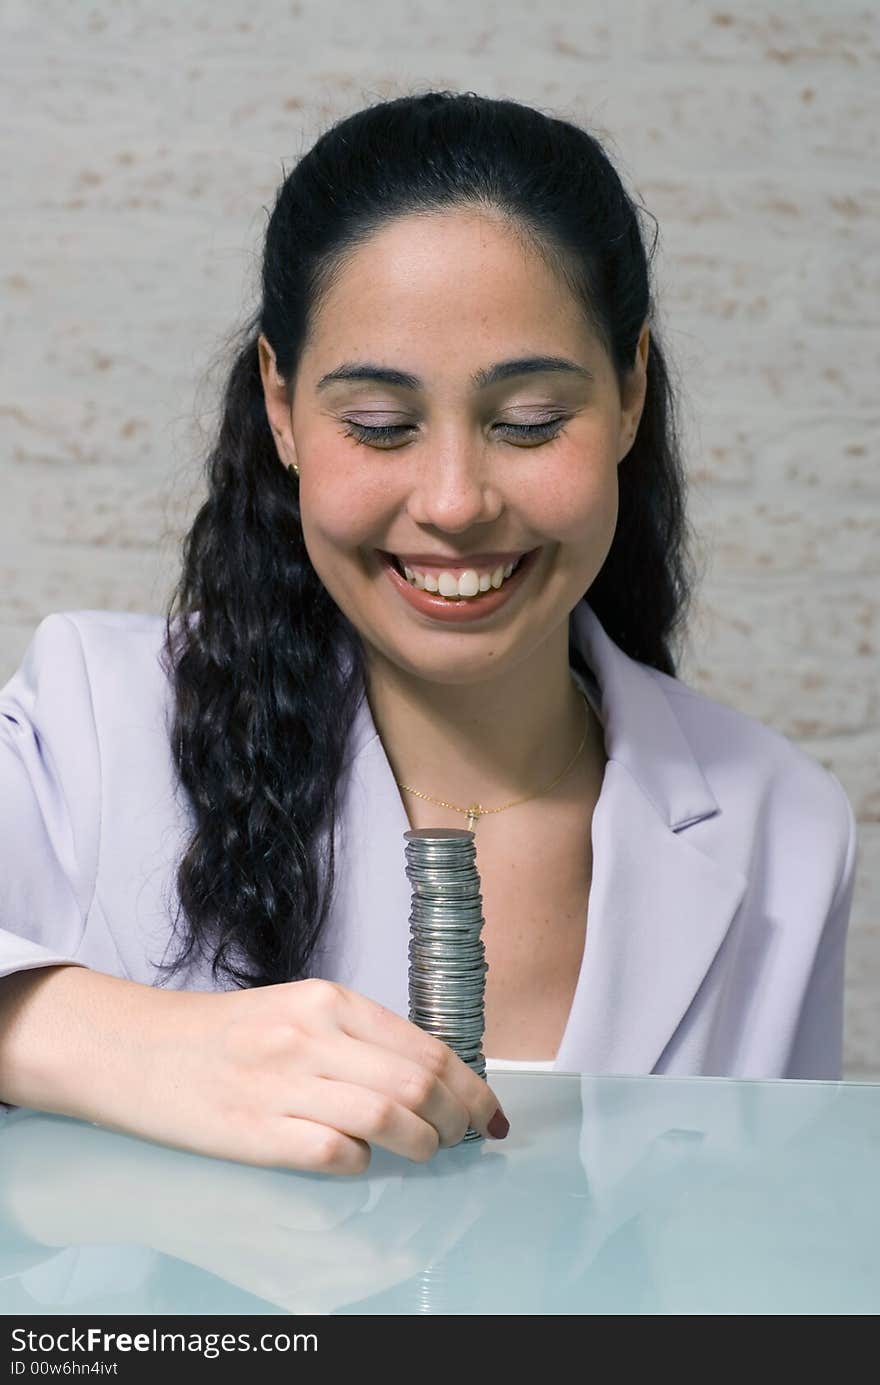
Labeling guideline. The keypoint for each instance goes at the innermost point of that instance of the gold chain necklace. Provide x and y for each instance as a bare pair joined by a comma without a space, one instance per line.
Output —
476,810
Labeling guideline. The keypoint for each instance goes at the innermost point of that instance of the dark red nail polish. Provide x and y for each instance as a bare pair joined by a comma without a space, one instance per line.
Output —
498,1125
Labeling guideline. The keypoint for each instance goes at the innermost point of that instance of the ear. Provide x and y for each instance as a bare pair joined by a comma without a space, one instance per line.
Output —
635,388
277,405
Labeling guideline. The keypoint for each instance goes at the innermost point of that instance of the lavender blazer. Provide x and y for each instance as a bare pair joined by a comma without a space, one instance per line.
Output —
723,857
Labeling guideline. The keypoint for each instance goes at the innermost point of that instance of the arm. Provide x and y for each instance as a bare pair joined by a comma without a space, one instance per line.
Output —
76,1042
817,1049
303,1074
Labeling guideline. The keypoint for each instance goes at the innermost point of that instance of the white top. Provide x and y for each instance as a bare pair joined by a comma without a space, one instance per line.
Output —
520,1065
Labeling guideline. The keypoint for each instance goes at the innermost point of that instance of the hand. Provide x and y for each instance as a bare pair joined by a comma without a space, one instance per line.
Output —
303,1075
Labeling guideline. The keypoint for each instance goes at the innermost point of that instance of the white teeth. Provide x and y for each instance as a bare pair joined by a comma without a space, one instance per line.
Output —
469,584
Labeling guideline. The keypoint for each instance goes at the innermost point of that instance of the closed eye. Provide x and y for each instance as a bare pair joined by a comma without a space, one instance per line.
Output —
538,432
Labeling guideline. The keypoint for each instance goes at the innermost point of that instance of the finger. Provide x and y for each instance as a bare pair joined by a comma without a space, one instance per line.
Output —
373,1023
384,1071
292,1142
362,1113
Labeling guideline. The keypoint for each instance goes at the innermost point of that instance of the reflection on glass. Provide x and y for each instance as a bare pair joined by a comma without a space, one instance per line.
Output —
611,1195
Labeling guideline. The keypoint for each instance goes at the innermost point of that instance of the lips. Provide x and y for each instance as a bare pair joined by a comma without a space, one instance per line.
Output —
462,610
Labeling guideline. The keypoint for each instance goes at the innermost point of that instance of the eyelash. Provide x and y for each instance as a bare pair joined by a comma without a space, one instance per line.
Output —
387,433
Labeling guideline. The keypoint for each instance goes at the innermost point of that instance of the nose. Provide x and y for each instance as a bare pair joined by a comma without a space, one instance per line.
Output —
454,488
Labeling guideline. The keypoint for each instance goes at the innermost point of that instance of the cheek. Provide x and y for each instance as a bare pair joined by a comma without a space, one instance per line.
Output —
576,501
341,504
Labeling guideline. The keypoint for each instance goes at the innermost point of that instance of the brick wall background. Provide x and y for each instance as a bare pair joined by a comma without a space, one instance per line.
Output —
142,142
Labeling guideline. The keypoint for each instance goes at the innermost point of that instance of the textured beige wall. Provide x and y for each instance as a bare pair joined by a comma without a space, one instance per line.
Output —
141,143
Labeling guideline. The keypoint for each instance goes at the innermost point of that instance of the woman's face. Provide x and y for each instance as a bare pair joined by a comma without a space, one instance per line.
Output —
480,464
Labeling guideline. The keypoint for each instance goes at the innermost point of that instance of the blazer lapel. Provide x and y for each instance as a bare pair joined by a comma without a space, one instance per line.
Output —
659,907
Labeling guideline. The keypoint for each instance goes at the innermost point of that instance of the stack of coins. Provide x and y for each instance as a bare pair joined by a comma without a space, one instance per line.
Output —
447,959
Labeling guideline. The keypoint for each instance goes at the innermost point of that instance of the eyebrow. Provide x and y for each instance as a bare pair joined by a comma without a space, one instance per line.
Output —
480,380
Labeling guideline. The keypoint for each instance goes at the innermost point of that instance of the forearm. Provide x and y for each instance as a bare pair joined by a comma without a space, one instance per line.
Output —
80,1043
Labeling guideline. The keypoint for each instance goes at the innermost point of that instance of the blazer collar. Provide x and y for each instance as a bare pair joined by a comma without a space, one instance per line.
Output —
659,907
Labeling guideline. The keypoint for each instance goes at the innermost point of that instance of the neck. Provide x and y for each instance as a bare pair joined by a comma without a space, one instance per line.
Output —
489,740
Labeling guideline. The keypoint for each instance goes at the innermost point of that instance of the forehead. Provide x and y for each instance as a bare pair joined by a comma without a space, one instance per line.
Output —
458,281
435,248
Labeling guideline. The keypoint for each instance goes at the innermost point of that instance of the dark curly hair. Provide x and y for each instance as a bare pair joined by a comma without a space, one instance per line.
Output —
267,671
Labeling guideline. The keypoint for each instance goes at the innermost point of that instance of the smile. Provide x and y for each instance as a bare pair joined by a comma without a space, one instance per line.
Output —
465,595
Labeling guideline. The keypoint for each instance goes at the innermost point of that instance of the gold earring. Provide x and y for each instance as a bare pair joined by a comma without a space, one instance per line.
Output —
292,466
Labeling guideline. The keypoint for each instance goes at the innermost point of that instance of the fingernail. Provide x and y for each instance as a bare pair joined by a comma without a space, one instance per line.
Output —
498,1125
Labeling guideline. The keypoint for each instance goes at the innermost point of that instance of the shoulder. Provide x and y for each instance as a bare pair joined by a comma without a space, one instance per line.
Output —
84,667
100,633
747,762
91,642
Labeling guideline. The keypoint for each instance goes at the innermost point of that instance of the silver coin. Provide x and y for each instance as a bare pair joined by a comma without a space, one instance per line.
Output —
431,1007
448,1007
437,890
447,963
433,892
464,950
422,974
448,977
461,872
439,921
442,860
441,898
469,1025
460,949
466,1035
465,1021
456,854
436,956
443,883
422,873
425,834
435,987
467,1010
459,867
466,911
455,984
446,914
451,992
443,924
468,969
448,968
446,942
446,917
470,926
456,892
451,931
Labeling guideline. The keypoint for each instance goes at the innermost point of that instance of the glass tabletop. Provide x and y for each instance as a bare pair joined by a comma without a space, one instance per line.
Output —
629,1195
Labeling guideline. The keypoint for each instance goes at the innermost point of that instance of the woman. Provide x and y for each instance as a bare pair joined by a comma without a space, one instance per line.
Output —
435,583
